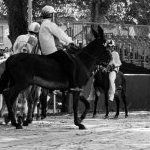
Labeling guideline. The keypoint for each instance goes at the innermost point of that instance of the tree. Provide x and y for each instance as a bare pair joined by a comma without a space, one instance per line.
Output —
17,13
126,11
129,12
99,9
17,17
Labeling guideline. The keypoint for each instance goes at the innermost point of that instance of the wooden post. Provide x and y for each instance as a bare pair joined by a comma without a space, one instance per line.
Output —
29,12
54,102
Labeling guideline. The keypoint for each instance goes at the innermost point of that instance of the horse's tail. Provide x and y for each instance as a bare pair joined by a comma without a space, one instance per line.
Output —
4,81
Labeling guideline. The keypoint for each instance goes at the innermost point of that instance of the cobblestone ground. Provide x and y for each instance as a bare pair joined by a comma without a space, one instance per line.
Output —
59,133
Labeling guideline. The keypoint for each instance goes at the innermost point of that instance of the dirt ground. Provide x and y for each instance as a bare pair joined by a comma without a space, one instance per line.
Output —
59,133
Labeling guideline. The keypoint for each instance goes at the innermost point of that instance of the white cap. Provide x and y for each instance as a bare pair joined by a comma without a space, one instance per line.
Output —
48,9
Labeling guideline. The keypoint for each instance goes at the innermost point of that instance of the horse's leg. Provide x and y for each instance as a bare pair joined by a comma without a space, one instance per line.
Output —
10,96
95,105
29,114
106,106
123,95
2,107
36,104
36,107
87,106
30,99
43,101
117,106
23,107
77,120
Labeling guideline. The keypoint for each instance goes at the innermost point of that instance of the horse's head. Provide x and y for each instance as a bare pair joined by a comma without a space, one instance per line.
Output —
98,46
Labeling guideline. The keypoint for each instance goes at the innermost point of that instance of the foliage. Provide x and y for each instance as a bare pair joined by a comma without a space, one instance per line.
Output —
3,10
130,12
117,11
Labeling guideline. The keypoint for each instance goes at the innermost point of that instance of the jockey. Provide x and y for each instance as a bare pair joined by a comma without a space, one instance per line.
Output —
114,64
28,42
51,36
50,33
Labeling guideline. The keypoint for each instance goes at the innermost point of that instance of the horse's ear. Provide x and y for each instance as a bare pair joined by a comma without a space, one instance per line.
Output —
101,33
100,30
93,31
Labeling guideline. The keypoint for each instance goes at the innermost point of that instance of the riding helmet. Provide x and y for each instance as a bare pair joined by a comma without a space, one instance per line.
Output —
34,27
47,11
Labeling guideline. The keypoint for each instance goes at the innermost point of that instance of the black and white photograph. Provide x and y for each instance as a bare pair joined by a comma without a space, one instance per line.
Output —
74,74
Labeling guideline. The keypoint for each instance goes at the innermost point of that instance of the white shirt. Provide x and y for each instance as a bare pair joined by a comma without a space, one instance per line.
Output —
48,34
115,59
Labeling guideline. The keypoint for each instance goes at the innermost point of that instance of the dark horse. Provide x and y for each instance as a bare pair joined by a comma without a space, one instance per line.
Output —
101,84
23,70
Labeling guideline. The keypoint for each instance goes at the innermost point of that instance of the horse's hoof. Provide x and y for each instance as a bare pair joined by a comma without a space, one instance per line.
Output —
6,119
106,117
20,120
82,127
19,126
94,116
25,123
126,116
43,117
116,117
37,118
13,124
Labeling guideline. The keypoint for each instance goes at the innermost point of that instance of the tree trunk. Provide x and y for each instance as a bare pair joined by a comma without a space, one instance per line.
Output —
99,9
17,20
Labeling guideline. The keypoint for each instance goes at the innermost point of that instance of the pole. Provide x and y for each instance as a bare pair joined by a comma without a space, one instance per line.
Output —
29,12
54,102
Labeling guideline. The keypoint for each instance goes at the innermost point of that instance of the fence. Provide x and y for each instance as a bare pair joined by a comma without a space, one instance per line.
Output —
132,42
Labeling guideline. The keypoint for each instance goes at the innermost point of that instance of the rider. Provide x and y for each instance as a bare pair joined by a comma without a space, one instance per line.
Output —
28,42
114,64
51,35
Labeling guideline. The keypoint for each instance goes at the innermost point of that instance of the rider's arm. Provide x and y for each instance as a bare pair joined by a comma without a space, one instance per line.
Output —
60,34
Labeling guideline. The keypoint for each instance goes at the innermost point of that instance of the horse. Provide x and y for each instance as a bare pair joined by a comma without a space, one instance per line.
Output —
23,70
32,92
101,85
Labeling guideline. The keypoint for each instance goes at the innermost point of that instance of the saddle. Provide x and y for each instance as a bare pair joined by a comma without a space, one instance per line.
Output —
71,65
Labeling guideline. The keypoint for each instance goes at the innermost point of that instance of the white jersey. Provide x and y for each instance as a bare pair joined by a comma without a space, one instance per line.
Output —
115,59
48,34
25,43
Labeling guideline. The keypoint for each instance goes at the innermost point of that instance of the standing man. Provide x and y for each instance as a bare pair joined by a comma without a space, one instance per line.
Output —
114,64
